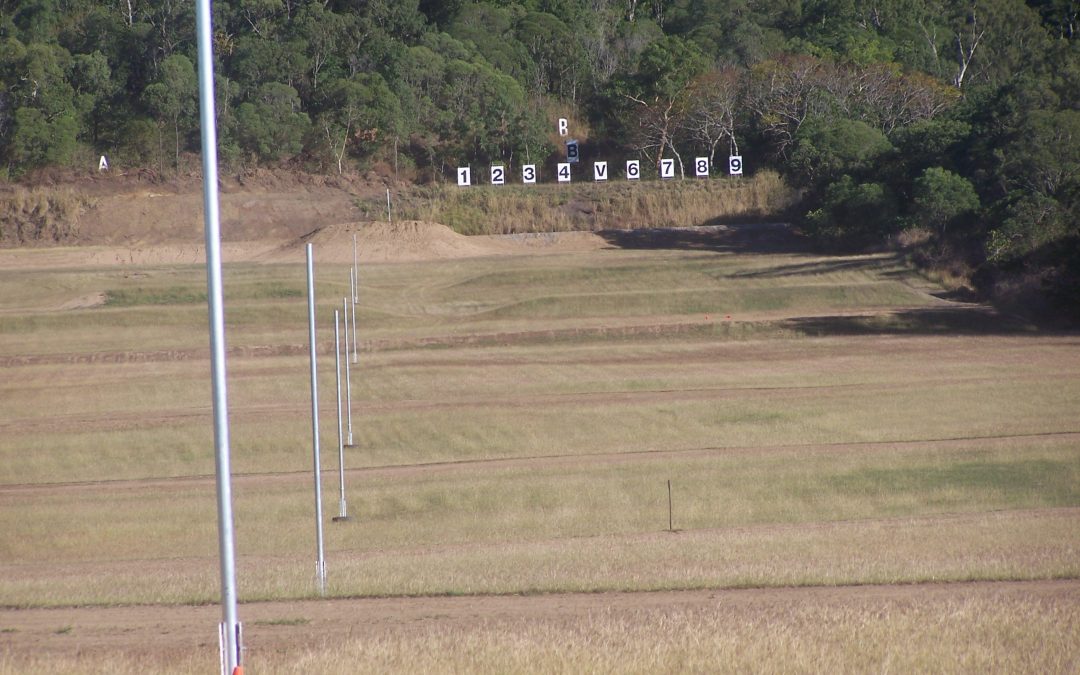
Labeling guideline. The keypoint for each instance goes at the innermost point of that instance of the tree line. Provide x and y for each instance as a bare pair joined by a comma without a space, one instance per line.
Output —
956,122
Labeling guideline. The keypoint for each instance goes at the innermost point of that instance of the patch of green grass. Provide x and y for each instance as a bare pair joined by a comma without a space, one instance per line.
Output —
174,295
950,485
297,621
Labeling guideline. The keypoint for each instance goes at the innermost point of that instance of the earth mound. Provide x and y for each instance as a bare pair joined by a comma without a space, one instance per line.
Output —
402,241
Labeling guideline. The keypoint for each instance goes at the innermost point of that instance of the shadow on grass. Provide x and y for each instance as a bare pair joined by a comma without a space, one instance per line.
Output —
740,238
962,320
886,265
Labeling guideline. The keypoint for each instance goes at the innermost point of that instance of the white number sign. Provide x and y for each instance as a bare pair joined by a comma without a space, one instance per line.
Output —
633,169
734,163
498,174
701,167
599,171
667,168
464,176
528,174
564,172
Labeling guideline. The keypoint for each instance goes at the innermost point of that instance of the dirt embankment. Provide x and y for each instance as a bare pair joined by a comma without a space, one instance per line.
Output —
141,209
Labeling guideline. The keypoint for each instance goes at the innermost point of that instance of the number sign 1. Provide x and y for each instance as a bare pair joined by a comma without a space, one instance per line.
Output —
633,169
498,174
734,163
464,177
599,171
564,172
667,168
701,167
528,174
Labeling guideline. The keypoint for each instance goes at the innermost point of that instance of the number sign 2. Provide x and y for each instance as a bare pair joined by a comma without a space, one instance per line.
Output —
498,174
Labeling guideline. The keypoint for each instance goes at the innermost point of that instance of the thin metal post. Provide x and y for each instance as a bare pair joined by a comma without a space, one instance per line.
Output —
348,380
229,628
355,284
320,561
670,525
388,218
352,290
356,276
342,512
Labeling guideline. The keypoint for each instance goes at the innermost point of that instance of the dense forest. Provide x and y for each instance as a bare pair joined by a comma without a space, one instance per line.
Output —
951,125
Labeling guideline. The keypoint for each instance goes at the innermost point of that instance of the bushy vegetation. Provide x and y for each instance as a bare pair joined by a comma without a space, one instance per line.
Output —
955,120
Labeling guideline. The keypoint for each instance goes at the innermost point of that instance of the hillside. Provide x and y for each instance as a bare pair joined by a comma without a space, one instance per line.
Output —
947,123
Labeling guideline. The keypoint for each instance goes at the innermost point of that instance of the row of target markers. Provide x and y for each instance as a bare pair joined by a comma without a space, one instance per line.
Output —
529,174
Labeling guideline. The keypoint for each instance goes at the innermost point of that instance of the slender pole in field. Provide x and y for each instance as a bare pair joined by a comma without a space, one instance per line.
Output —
356,293
670,526
348,381
342,512
388,218
229,630
356,276
320,560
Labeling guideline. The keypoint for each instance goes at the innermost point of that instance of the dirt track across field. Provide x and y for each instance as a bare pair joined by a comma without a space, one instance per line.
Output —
285,626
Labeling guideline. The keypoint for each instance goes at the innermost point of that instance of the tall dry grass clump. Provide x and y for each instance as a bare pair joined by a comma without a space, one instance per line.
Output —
511,209
40,215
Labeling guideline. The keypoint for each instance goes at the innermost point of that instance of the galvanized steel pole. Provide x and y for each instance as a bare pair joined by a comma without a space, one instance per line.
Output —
320,561
342,510
348,379
229,631
356,291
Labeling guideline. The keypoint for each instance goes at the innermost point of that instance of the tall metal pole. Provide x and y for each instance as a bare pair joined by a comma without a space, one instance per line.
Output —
356,286
356,276
388,218
229,630
348,381
320,561
342,512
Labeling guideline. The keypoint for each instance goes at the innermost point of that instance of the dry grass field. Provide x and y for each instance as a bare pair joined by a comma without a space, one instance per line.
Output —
865,475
